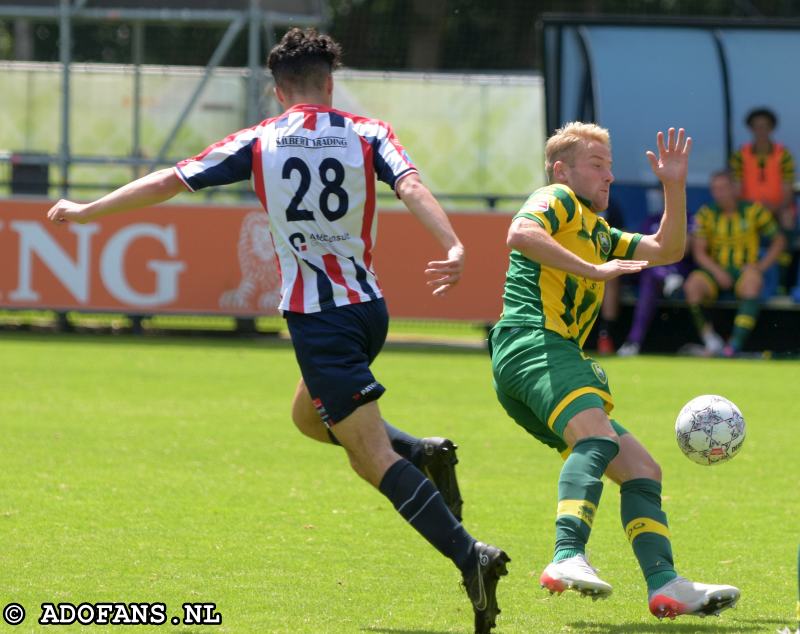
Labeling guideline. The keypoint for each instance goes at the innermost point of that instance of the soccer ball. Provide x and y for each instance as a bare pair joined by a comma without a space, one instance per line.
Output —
710,429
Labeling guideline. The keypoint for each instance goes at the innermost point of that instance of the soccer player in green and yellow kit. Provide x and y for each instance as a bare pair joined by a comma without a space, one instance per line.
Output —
725,244
562,253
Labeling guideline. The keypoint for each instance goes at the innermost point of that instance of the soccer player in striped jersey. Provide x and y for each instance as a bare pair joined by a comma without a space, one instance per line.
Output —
726,241
562,253
314,168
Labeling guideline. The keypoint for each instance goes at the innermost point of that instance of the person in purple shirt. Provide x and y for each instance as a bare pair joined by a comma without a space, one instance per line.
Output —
655,282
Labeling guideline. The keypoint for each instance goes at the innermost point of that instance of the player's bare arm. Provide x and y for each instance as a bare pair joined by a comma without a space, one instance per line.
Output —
788,195
533,241
774,251
152,189
670,166
418,199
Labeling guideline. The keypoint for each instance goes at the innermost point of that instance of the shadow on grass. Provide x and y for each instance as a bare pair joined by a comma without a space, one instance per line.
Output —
190,339
221,339
685,627
394,630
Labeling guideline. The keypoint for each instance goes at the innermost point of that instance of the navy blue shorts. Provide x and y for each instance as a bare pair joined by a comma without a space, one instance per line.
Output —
334,349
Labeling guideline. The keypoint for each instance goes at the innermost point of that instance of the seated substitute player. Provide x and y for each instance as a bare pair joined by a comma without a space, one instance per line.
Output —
726,238
562,252
313,169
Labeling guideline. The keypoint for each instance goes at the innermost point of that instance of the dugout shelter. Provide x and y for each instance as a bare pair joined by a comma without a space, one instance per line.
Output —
636,76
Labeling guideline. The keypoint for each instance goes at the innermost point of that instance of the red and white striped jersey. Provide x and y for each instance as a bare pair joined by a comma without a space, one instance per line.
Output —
314,170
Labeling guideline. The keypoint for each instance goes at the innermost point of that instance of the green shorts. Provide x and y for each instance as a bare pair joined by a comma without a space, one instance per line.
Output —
718,293
543,380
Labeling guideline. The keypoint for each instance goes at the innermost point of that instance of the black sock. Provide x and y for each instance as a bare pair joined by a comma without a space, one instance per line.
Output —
404,444
418,501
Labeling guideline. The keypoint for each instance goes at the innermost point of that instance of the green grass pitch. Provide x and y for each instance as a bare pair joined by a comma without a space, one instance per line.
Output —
162,469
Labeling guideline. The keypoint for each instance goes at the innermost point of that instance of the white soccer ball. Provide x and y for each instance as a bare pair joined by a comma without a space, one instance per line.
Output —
710,429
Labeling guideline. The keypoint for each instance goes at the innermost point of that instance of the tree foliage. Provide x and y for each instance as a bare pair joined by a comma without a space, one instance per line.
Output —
457,35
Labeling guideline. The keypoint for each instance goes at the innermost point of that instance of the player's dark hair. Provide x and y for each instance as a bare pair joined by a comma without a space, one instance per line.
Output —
761,112
303,59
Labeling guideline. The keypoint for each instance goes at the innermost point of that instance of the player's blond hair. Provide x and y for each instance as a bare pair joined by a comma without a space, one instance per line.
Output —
562,144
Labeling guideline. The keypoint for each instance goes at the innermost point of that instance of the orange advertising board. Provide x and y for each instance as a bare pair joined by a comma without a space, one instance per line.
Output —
220,260
404,248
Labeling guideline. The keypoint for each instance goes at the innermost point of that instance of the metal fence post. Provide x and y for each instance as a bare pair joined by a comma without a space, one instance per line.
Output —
65,54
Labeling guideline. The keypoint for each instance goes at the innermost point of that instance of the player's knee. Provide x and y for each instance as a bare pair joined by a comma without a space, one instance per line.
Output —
587,425
296,416
649,468
605,434
372,468
751,289
357,467
612,435
614,440
300,419
310,425
693,290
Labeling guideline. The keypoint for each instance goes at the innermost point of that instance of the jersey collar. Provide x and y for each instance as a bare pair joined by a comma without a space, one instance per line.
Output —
305,107
585,203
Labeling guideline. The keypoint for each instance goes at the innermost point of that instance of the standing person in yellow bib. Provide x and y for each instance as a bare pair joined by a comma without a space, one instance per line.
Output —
562,253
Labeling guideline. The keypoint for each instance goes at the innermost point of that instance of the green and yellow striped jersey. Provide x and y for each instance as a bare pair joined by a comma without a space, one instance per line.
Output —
542,296
733,238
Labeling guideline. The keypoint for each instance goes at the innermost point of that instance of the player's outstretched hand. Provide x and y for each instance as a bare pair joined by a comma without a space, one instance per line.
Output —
672,163
614,268
445,274
66,210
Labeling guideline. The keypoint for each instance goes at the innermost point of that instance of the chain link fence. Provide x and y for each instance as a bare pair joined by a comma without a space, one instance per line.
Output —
477,139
